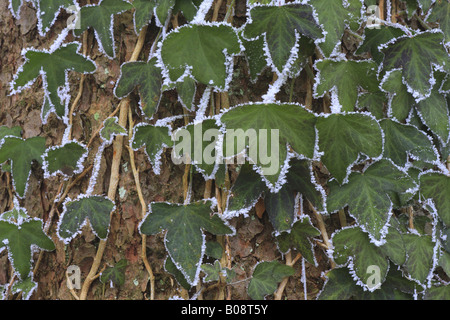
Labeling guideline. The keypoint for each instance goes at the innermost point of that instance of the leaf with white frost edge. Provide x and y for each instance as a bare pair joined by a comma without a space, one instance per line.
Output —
155,139
206,51
115,274
143,13
78,212
371,196
281,27
420,261
441,14
100,17
14,131
27,287
339,285
436,186
53,65
352,245
48,11
184,239
111,129
66,159
15,6
147,78
343,138
21,153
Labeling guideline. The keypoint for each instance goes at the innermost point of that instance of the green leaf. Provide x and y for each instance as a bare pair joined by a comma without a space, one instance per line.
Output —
101,18
352,244
93,209
212,271
254,53
15,215
334,17
420,256
425,4
266,277
339,285
111,129
171,268
66,160
281,27
371,195
21,153
344,79
186,90
299,238
19,240
143,13
436,186
441,14
14,131
147,78
394,247
416,55
344,137
163,10
48,11
199,49
184,239
403,140
15,6
214,249
154,138
187,7
27,286
53,66
280,207
267,129
374,37
115,274
438,293
374,102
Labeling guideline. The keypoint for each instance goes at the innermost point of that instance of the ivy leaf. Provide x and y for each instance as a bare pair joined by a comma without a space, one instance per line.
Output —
258,126
254,53
19,240
146,76
204,51
339,285
48,11
143,13
425,4
438,293
281,208
441,14
266,277
187,7
436,186
53,65
15,6
344,79
14,131
212,271
299,238
163,10
95,209
154,139
111,129
394,247
184,239
171,268
115,274
101,18
402,140
352,244
281,27
419,251
343,137
374,37
27,286
416,55
66,159
371,195
21,153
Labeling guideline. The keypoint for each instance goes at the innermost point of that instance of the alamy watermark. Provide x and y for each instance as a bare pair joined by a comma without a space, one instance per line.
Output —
73,275
74,20
212,147
374,280
373,19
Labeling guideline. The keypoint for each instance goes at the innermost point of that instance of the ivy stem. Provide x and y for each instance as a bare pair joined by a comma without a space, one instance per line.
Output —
323,230
114,180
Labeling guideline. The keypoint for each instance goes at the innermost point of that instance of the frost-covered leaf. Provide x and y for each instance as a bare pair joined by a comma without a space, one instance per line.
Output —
147,78
374,37
339,285
299,238
48,11
187,7
394,247
15,6
212,271
154,139
344,137
281,27
374,102
6,131
15,215
204,50
438,293
19,240
143,13
267,129
426,4
21,153
352,244
344,79
27,287
333,16
254,53
95,209
186,90
184,239
171,268
163,10
66,159
441,14
280,207
436,186
110,129
115,274
266,277
371,195
100,17
420,256
416,55
403,140
53,65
